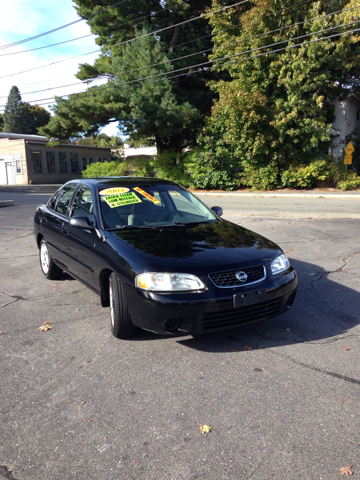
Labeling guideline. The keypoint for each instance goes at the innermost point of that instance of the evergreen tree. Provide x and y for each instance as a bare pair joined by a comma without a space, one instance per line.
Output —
1,122
16,118
172,111
38,117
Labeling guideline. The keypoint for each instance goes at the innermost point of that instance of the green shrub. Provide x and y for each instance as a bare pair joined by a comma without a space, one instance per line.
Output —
142,167
306,176
352,182
261,178
165,166
208,173
106,169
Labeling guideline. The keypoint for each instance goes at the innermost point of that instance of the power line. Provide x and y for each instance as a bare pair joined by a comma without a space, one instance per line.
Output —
93,34
2,47
216,48
46,46
199,65
130,40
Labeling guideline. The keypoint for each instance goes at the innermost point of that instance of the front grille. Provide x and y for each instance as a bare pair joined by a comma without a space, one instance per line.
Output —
237,316
228,278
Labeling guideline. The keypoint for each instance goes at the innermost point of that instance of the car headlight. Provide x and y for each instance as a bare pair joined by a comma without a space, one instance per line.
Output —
280,264
168,282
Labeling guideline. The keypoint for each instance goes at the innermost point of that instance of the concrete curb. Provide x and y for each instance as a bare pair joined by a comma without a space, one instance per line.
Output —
285,195
7,203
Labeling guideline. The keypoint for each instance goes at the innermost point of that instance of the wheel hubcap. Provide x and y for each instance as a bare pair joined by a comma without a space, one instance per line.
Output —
44,256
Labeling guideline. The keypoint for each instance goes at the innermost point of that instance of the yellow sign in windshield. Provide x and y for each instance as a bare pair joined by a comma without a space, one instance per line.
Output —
121,199
147,195
112,191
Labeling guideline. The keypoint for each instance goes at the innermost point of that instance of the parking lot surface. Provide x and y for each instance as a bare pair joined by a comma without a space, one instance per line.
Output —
282,396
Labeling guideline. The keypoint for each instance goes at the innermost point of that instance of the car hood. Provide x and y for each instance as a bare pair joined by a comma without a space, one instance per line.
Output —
200,248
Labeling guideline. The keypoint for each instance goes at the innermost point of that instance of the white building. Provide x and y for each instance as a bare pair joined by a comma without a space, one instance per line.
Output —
347,119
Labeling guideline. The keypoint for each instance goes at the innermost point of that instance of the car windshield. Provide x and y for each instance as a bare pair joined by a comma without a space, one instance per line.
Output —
150,206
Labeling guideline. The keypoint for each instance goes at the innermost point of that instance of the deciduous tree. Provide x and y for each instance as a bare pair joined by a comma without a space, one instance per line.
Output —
279,105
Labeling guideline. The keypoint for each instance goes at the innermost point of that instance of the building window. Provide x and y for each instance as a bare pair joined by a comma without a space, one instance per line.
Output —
63,167
37,161
50,162
19,169
74,162
83,163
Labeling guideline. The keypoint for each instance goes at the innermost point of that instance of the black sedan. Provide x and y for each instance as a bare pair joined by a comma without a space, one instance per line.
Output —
160,258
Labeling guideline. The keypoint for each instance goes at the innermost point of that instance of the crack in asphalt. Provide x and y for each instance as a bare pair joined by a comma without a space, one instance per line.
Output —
19,297
17,256
326,342
311,367
320,370
20,236
345,263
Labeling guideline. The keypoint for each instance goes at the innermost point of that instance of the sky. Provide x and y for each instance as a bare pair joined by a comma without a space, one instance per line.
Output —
21,19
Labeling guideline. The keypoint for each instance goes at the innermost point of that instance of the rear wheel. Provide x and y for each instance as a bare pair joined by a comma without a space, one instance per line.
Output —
48,267
121,324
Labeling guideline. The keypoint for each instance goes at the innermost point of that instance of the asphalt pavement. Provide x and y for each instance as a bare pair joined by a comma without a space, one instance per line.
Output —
282,396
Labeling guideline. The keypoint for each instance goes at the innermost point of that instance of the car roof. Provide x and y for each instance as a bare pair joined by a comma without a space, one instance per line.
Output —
120,181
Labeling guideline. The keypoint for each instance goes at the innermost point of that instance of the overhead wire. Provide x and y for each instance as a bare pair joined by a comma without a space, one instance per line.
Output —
2,47
129,40
90,93
213,49
93,34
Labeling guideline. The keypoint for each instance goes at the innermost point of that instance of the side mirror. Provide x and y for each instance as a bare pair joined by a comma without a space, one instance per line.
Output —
217,210
81,222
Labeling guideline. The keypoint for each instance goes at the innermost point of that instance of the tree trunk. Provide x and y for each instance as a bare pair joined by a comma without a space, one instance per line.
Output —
176,37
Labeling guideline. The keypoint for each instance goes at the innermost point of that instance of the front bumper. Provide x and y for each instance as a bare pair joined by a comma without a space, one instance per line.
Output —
212,310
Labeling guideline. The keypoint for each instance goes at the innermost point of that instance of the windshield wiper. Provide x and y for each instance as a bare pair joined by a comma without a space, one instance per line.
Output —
175,224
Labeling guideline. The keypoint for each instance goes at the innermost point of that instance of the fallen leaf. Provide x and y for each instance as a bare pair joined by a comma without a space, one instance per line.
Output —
43,328
346,349
337,290
48,322
54,285
267,333
342,401
88,420
247,348
267,373
346,470
202,373
82,403
205,428
288,329
234,349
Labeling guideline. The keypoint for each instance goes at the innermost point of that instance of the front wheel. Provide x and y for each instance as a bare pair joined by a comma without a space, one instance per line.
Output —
50,270
121,324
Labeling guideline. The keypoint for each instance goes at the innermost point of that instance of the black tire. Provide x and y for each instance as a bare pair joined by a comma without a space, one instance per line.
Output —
120,321
50,270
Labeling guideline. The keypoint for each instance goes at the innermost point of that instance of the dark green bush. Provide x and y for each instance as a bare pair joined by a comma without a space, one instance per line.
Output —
106,169
208,173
